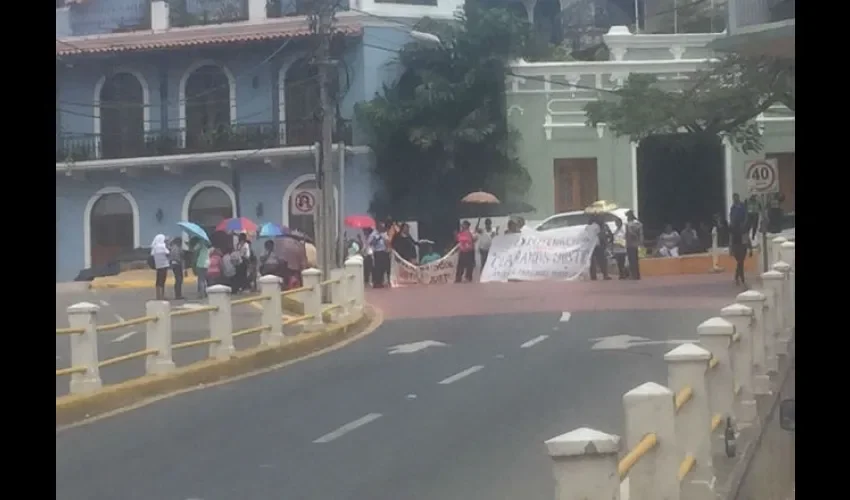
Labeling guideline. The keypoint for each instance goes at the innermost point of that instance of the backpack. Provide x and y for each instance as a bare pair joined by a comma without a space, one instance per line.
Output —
214,269
228,264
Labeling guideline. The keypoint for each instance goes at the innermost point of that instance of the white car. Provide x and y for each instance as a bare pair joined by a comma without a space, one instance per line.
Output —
580,218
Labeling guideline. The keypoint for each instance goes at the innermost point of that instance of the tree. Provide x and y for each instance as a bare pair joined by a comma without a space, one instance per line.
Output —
721,100
440,131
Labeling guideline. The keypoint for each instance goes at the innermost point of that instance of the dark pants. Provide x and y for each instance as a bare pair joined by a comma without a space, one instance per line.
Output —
634,265
597,259
483,254
161,275
740,255
465,266
621,265
380,268
178,280
368,265
753,224
240,280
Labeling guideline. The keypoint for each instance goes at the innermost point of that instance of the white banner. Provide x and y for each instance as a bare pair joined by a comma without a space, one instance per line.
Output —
434,273
558,254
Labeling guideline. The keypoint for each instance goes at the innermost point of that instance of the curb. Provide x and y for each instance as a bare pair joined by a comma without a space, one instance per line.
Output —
131,394
135,284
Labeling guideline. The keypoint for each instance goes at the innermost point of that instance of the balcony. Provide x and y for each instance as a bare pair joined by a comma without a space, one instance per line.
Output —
241,137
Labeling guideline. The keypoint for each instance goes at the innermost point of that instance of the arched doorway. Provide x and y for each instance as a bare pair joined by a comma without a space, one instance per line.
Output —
112,228
207,108
208,206
122,116
301,98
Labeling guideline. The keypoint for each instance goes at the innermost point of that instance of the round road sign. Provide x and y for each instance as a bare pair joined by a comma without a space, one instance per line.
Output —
305,202
762,176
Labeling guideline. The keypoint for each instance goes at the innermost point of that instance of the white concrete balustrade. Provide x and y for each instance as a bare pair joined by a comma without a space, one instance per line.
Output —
346,293
674,433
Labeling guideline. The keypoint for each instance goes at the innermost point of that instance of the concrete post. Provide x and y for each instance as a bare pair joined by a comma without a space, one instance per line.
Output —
354,267
775,282
84,348
160,16
158,336
715,252
338,295
585,465
755,300
686,366
775,245
650,409
741,318
272,310
785,268
221,322
312,299
788,252
257,10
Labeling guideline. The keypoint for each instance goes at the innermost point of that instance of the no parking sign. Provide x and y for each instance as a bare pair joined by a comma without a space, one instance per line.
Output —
304,202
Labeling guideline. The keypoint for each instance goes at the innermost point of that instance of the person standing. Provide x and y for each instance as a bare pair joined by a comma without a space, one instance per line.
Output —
598,258
201,252
619,248
243,249
379,243
390,230
634,239
160,262
737,212
175,258
739,246
485,240
466,253
368,257
404,244
753,215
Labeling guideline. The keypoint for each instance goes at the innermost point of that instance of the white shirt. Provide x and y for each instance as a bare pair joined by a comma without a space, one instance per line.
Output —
485,239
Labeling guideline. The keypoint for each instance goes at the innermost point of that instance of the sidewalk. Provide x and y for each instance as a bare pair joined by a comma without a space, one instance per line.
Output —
141,278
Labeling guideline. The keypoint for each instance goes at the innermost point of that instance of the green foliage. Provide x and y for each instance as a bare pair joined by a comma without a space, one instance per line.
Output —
721,100
440,131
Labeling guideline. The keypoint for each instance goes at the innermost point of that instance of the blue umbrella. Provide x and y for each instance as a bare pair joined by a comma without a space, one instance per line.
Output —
270,230
194,230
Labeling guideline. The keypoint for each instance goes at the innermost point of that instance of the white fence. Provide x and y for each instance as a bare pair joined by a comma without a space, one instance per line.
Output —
673,432
346,292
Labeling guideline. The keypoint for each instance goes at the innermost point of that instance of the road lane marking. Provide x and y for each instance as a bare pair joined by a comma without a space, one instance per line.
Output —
565,316
457,376
104,303
345,429
499,356
411,396
119,318
122,338
533,342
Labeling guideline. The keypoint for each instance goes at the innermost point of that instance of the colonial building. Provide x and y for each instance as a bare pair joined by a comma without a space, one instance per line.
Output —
199,110
760,27
572,165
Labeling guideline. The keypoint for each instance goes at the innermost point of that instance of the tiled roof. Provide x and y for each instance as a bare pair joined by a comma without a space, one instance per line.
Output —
246,31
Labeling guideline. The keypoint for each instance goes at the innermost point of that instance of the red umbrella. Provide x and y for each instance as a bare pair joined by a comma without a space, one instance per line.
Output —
359,221
237,225
480,197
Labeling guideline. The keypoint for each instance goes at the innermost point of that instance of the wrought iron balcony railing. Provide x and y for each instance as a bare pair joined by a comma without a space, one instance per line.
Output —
248,136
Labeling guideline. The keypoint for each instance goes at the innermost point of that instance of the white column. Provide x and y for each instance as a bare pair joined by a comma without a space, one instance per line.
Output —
312,299
729,176
686,366
585,465
788,254
354,268
775,248
272,310
633,159
257,10
775,282
158,336
160,17
741,318
529,9
785,268
755,300
221,322
84,348
715,334
649,409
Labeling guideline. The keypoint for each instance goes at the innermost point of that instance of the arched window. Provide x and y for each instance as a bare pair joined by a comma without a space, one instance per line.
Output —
207,108
208,207
302,222
122,117
111,228
301,97
547,20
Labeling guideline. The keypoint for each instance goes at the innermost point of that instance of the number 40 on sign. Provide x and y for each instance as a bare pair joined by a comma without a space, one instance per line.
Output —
762,176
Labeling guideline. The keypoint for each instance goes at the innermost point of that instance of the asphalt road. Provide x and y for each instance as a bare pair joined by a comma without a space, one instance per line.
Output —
463,421
119,305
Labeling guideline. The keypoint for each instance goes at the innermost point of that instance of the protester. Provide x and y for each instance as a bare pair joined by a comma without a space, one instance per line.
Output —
619,248
753,215
485,240
404,244
739,245
466,253
737,212
668,242
775,213
245,257
634,239
175,259
214,269
201,258
269,262
428,253
368,257
598,258
391,229
512,227
379,243
160,261
690,240
292,254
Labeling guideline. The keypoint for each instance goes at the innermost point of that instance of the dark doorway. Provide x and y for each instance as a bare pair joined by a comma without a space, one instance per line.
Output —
680,179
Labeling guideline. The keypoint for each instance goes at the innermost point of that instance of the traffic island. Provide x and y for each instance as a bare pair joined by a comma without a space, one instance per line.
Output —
150,388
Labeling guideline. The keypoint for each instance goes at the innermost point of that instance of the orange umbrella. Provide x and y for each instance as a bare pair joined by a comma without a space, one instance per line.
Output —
481,197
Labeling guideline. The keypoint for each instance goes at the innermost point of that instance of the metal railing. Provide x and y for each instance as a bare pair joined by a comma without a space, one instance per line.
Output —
346,292
675,432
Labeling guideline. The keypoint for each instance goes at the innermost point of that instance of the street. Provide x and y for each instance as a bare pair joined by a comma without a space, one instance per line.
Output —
119,305
463,416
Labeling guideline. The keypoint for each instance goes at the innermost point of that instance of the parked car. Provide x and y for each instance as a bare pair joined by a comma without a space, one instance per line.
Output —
580,218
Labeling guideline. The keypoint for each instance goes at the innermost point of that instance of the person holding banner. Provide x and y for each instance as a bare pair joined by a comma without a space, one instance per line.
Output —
404,244
485,240
599,258
466,253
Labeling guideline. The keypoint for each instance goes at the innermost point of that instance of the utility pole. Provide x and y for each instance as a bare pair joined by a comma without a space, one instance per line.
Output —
322,24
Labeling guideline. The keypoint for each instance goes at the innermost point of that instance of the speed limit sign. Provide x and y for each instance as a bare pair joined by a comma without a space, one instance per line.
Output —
762,176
